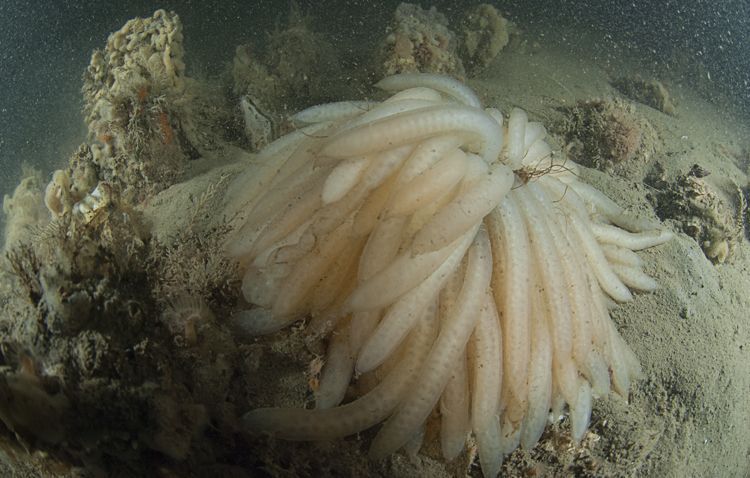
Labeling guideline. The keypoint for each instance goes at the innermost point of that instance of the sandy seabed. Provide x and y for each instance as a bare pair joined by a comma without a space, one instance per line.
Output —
688,416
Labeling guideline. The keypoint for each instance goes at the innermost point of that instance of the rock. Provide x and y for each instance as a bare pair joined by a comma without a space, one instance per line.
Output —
484,33
419,40
649,92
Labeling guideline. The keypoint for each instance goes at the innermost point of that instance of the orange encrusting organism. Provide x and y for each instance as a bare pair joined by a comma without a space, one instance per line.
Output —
142,94
166,129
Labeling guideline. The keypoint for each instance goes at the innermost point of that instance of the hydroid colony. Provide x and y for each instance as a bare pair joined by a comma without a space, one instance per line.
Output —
450,260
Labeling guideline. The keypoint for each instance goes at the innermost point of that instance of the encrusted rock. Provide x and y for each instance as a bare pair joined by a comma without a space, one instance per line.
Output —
604,133
702,214
24,211
649,92
419,40
146,118
130,90
57,194
295,69
484,33
30,410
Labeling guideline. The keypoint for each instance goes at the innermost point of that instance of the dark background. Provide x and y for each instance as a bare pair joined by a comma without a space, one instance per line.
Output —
45,46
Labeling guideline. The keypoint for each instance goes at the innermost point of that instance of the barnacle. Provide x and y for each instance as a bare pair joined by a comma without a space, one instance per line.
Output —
419,237
91,204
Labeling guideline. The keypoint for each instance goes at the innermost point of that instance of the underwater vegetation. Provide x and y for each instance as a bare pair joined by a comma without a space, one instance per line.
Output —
226,281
